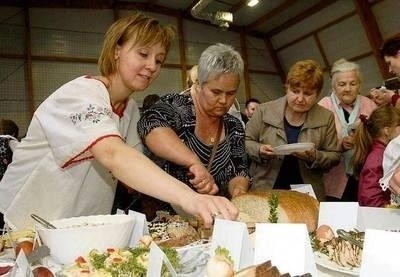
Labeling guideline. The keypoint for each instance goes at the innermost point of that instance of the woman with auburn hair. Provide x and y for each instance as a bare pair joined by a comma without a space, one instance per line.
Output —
293,118
76,148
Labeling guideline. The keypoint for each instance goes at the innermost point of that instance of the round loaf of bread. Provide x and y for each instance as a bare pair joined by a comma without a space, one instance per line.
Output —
293,207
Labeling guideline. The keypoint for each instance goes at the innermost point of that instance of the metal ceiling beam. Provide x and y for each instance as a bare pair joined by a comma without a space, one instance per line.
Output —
270,14
238,6
373,33
292,21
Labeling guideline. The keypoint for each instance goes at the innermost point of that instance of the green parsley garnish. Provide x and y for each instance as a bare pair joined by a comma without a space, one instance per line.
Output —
97,260
273,203
222,251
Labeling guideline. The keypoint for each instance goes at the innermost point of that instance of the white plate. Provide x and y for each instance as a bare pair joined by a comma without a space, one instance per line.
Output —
323,260
287,149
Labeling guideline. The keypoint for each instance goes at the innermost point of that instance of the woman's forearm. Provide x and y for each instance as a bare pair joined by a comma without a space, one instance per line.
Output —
138,172
165,143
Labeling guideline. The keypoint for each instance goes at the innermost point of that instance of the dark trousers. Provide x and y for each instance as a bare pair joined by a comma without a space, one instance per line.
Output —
350,193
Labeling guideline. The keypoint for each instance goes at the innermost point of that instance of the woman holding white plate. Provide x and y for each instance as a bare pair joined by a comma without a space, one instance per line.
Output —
293,118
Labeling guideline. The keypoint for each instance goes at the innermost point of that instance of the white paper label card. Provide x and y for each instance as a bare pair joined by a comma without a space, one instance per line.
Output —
233,236
23,265
378,218
338,215
119,211
380,254
156,258
304,188
287,246
139,229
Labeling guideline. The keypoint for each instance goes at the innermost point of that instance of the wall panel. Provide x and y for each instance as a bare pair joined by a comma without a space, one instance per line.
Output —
316,20
387,16
13,103
266,87
200,36
258,55
68,33
12,30
369,74
49,76
339,44
305,49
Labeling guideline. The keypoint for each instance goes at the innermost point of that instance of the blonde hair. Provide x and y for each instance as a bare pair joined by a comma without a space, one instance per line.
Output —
191,76
306,73
343,65
139,28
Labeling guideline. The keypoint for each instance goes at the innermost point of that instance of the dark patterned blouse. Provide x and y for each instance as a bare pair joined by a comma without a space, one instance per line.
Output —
177,112
5,154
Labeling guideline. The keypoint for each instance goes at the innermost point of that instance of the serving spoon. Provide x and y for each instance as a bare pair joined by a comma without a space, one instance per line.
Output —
43,222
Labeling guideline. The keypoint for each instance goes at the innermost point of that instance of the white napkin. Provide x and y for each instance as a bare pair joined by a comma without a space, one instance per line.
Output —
391,161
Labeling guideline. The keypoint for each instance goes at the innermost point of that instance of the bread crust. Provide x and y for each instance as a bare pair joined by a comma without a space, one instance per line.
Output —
294,207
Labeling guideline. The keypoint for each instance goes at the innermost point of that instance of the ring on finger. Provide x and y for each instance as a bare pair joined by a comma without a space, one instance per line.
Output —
216,214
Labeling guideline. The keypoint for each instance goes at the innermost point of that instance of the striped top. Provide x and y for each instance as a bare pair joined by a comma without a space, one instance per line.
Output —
178,113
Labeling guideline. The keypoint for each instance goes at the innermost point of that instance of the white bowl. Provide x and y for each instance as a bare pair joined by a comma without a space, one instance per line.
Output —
77,236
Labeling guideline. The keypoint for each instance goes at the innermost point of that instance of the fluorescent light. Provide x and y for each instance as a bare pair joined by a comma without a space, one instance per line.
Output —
223,16
252,3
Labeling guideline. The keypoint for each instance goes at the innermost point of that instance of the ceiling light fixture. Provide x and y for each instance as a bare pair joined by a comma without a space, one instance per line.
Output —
252,3
220,18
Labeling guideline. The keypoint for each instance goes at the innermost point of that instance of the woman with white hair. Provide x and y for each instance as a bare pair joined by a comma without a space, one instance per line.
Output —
347,104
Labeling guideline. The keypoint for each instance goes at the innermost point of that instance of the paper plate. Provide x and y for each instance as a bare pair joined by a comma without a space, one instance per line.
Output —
324,261
287,149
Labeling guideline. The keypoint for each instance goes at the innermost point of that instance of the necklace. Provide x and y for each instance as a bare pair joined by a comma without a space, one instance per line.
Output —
209,133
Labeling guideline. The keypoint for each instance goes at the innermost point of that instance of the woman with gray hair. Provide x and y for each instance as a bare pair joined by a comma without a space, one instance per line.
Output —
347,104
200,143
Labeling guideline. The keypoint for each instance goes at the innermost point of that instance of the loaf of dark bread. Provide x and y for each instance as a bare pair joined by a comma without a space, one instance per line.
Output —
265,269
293,207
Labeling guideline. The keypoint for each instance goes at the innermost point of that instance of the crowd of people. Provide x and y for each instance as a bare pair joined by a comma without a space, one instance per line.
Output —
188,152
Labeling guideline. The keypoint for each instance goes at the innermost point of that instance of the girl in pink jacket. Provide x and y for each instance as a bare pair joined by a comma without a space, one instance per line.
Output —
370,141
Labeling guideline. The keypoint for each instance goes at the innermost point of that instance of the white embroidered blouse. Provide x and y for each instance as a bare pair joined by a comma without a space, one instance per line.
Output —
53,174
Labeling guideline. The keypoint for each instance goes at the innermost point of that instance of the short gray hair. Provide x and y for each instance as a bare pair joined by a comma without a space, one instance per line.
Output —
343,65
219,59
